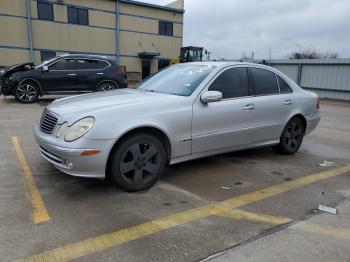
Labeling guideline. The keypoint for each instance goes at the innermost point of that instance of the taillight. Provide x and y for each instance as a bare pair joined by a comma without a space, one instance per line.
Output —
120,71
318,104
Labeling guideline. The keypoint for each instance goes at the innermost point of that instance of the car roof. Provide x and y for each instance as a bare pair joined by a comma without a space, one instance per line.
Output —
225,63
85,56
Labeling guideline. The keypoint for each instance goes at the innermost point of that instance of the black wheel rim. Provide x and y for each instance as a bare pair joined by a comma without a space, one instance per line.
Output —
140,164
107,87
294,134
26,93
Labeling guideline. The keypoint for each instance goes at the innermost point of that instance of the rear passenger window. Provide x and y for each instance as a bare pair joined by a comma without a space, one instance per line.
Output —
232,83
264,81
87,64
284,87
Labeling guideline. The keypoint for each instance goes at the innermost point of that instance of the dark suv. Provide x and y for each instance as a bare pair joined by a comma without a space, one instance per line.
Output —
67,74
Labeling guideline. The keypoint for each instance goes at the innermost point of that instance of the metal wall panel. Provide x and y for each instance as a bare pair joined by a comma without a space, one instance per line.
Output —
289,70
326,76
329,78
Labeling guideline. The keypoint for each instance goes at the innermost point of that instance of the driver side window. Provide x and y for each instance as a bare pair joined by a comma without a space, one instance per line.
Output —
64,64
232,83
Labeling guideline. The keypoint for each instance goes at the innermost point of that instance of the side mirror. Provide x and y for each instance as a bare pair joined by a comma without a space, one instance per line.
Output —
211,96
45,68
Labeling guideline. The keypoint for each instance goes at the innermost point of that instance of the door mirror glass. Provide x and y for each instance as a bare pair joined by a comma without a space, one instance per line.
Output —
45,68
211,96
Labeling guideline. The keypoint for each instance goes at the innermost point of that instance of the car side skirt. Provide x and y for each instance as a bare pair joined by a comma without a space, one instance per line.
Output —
223,151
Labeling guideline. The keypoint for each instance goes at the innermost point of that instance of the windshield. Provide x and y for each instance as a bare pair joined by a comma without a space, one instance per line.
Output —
45,62
179,80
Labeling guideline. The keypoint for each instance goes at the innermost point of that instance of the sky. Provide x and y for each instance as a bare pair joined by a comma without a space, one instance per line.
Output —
230,28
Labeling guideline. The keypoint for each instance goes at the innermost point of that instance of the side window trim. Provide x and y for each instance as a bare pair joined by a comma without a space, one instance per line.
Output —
278,84
54,62
224,70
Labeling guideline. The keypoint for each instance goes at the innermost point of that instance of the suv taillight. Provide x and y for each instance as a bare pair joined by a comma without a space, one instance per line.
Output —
318,104
120,70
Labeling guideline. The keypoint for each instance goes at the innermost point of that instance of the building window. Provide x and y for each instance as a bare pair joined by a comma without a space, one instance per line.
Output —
165,28
78,16
45,11
46,55
163,63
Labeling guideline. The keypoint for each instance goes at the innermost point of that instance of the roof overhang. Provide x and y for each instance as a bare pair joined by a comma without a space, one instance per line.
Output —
165,8
148,54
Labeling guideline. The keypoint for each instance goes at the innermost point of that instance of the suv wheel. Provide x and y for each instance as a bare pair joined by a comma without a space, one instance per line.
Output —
138,162
27,92
106,87
292,137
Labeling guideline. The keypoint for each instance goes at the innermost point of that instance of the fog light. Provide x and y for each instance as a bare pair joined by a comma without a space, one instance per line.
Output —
69,164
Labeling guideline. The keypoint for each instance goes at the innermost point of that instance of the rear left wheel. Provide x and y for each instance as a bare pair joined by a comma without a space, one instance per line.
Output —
292,137
138,162
106,87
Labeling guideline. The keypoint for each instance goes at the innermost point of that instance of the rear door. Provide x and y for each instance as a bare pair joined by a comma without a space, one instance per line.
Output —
90,73
272,107
227,123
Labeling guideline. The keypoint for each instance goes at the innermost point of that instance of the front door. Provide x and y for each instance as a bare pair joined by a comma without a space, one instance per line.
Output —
227,123
146,68
61,76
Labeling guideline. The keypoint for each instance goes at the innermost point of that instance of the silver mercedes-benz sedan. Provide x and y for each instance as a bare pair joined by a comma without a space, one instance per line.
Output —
183,112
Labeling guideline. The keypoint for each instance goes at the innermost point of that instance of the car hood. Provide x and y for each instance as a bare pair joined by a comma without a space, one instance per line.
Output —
16,68
95,103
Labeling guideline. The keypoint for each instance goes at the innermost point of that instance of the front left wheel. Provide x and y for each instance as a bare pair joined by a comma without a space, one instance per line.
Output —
138,162
27,92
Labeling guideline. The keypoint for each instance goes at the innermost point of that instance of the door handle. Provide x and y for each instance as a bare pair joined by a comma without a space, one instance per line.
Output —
249,107
72,74
100,74
287,102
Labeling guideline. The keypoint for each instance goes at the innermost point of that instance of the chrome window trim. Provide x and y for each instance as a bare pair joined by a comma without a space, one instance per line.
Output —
65,58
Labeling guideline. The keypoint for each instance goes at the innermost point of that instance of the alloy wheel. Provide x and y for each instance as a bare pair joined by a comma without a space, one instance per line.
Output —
26,93
294,134
140,164
107,87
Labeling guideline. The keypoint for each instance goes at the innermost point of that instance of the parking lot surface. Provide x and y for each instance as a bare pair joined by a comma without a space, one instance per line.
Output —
237,202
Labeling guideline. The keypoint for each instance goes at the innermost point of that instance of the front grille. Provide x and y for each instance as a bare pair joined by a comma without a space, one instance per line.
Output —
48,122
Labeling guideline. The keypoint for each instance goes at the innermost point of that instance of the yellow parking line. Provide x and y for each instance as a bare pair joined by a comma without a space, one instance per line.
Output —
282,188
39,210
105,241
113,239
326,230
245,215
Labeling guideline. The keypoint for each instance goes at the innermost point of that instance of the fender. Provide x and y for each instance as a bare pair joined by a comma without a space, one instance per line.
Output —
33,80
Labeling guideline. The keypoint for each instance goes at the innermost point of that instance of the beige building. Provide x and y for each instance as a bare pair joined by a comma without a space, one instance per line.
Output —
143,37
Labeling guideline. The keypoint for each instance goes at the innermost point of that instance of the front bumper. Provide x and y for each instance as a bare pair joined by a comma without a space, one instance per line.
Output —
312,121
67,156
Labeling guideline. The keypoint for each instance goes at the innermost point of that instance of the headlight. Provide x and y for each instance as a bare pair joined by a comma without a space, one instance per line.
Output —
79,128
61,130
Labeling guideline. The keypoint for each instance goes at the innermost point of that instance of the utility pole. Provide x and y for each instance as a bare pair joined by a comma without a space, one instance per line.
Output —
252,56
270,57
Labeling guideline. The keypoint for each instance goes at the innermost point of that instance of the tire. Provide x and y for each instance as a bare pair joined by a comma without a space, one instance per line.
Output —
138,162
292,137
27,92
104,87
